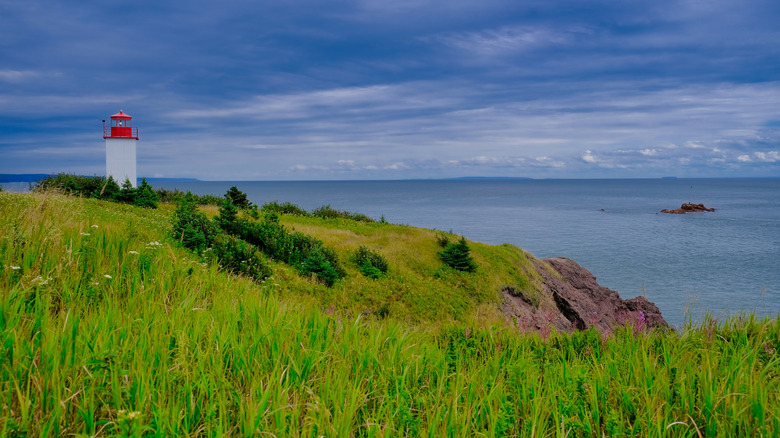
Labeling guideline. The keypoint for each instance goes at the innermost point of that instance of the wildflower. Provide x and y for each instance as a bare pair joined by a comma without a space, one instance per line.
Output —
107,276
94,226
132,415
133,252
16,267
84,234
40,281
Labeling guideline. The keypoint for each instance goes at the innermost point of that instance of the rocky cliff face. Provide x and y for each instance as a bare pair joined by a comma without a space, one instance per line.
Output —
580,302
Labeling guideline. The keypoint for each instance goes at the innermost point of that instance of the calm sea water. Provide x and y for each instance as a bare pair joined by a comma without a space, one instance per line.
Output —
721,262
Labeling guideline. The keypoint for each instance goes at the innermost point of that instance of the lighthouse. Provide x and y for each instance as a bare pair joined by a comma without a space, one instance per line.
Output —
120,148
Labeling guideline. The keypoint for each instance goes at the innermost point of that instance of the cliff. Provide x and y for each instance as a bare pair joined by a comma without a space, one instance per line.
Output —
580,302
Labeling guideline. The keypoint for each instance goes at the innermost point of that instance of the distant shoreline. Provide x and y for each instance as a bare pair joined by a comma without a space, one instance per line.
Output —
35,177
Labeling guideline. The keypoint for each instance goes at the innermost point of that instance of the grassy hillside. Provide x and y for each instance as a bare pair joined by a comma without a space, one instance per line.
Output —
108,327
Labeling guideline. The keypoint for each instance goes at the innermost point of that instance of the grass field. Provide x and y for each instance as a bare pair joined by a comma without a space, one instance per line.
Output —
109,328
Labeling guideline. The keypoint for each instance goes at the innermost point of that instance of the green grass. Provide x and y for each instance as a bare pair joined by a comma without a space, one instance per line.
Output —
108,328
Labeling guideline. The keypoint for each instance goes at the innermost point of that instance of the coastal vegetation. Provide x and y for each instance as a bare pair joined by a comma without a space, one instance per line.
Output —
100,187
113,322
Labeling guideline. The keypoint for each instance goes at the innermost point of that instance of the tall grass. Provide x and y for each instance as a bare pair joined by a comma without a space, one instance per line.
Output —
108,328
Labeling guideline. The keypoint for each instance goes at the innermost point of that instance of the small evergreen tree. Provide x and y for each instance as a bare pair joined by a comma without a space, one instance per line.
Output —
145,196
191,227
109,191
456,256
228,214
127,193
238,197
71,186
371,264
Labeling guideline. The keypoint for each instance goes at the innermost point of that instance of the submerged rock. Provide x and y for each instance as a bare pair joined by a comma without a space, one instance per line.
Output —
580,302
688,208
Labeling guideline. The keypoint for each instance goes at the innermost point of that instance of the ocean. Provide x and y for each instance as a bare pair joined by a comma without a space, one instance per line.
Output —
722,262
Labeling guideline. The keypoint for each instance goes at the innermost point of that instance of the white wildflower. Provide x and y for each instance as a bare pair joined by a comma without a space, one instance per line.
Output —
94,226
107,276
84,234
133,414
133,252
16,267
40,281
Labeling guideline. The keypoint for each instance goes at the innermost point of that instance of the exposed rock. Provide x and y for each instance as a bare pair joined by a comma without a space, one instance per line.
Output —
688,208
580,302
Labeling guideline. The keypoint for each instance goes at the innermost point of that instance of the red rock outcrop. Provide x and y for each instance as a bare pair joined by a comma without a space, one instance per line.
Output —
688,208
580,302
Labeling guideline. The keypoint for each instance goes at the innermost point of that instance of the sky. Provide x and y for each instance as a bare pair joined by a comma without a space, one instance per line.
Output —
395,89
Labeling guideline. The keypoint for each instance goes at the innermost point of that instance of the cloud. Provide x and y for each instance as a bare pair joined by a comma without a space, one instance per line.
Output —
768,157
588,157
508,39
366,88
17,75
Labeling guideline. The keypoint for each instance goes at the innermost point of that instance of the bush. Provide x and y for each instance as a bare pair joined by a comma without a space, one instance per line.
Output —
100,187
456,256
238,197
239,257
285,208
326,212
191,227
305,253
317,262
127,193
442,239
145,197
228,214
175,196
371,264
109,191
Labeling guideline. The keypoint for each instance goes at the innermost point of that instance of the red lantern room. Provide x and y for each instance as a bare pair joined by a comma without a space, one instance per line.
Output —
121,127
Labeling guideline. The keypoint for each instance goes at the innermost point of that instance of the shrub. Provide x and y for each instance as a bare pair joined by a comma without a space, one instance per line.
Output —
285,208
326,212
175,195
145,197
238,256
109,191
100,187
127,192
317,263
371,264
191,227
456,256
228,214
305,253
238,197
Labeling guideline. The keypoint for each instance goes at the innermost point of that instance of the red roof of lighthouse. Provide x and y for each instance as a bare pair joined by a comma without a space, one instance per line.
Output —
120,115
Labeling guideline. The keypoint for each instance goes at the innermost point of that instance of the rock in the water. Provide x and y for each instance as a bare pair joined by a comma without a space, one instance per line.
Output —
688,208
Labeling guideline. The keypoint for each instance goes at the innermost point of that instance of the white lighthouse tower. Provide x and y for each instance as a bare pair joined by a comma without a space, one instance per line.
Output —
120,148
